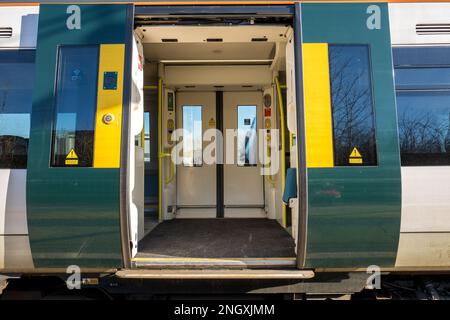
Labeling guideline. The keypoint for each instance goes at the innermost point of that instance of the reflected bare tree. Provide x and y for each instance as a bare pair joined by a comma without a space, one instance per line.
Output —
423,134
351,96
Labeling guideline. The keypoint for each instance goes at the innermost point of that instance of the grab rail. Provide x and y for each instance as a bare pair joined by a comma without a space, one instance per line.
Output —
283,148
160,153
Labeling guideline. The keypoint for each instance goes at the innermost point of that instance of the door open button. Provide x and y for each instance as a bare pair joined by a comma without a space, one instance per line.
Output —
108,118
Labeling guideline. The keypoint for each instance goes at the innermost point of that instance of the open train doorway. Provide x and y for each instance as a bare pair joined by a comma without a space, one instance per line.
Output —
217,146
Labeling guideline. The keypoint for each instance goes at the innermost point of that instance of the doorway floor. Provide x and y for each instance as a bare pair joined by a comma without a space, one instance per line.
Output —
217,239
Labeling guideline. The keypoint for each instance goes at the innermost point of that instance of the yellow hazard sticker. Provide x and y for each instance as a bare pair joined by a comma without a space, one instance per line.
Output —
71,158
212,123
355,157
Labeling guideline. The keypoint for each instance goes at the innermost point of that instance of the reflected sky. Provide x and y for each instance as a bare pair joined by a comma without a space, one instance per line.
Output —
192,138
247,137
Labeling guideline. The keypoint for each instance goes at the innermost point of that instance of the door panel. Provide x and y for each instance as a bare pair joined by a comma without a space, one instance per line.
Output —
74,214
196,180
243,183
354,203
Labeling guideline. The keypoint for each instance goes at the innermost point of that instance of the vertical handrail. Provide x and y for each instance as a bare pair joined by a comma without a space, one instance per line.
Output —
283,148
160,181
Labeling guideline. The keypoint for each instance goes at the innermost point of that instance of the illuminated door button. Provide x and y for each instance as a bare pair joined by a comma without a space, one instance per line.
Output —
108,118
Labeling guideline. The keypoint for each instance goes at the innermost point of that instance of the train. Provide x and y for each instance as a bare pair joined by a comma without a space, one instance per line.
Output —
268,147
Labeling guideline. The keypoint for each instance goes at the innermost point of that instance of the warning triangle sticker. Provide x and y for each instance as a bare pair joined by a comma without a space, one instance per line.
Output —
72,154
355,153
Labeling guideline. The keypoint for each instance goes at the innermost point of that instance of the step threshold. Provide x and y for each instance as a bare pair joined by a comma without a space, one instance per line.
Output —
216,274
201,263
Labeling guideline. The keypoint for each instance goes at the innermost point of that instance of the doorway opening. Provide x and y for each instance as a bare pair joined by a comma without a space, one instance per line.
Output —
217,146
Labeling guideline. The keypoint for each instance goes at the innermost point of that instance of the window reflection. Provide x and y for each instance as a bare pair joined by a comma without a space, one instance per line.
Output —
76,99
192,138
352,105
424,130
423,105
16,91
247,138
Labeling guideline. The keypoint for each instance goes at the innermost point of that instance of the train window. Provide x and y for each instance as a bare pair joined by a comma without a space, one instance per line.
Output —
423,104
247,137
16,91
76,100
352,105
192,137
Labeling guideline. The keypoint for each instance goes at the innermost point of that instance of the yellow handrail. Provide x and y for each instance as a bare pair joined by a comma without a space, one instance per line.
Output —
171,166
283,147
160,153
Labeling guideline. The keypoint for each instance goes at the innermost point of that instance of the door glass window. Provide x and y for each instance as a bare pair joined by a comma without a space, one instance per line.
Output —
16,91
192,137
76,100
247,137
352,105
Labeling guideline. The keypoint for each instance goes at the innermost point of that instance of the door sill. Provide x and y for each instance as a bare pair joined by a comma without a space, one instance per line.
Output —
213,263
216,274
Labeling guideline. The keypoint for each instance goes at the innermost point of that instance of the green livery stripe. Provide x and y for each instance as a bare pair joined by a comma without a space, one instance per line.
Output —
354,212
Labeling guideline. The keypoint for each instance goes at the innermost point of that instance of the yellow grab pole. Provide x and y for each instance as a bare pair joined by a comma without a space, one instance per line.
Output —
283,147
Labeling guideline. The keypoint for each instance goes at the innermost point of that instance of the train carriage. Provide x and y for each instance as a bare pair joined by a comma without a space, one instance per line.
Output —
266,147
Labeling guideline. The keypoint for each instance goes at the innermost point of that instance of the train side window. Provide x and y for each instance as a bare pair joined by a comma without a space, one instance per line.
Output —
192,137
352,105
247,137
16,91
422,81
76,100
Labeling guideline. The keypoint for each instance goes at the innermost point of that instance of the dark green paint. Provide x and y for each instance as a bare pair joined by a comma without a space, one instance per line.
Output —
73,213
354,212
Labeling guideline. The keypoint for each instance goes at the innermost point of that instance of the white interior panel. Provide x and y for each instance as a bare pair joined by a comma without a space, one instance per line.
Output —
136,153
425,199
200,34
196,186
291,105
243,185
217,75
405,16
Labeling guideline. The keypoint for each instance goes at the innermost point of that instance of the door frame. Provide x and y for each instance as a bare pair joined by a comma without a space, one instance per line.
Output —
283,10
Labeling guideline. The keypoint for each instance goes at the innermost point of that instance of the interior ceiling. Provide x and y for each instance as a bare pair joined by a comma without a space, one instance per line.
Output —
199,34
199,43
209,51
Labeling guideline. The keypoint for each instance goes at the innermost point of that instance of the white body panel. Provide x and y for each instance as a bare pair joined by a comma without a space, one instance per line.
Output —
13,210
425,199
405,16
425,217
15,249
423,250
24,21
